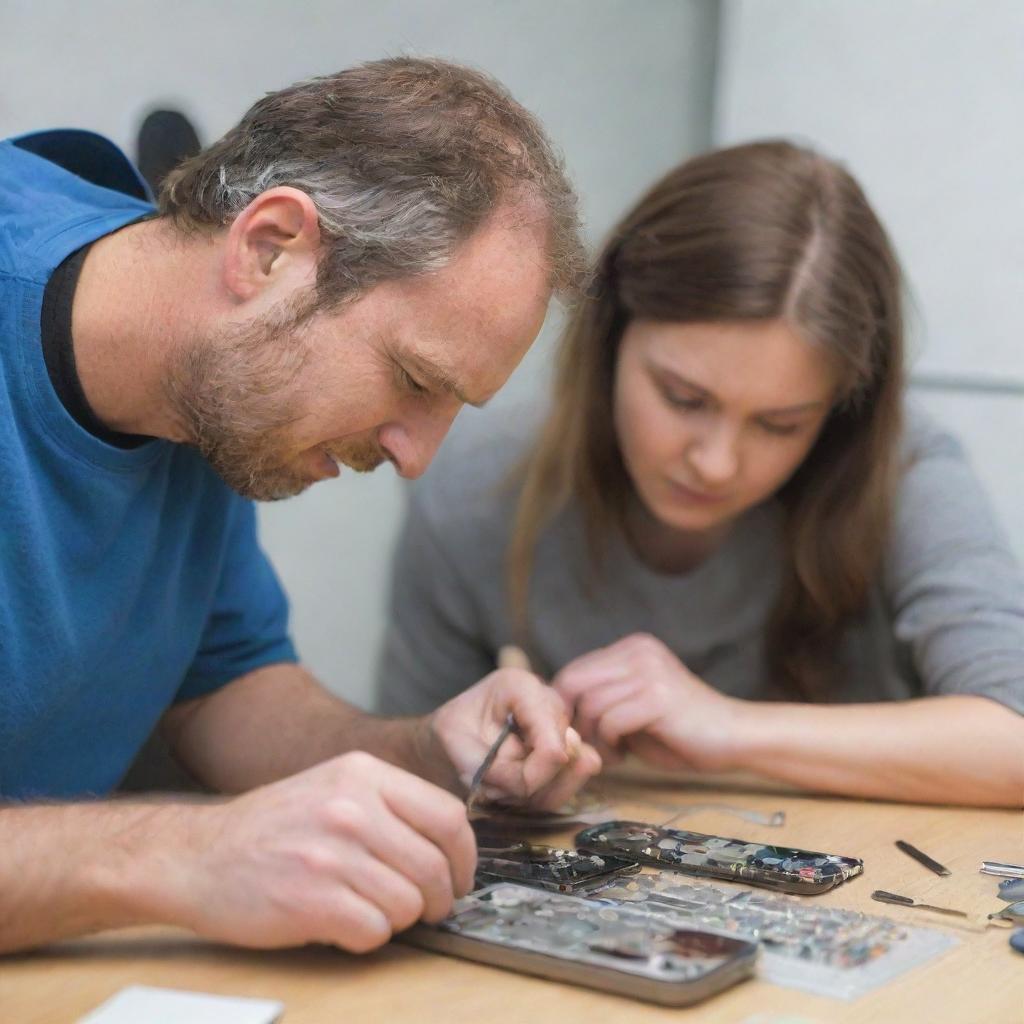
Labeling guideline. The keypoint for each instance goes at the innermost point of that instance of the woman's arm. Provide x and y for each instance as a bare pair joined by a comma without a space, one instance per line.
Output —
949,750
637,696
951,583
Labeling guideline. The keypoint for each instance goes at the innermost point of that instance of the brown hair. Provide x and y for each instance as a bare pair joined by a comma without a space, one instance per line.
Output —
761,231
403,158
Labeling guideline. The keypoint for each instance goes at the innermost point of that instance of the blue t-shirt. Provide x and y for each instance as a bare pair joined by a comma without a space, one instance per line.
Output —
130,578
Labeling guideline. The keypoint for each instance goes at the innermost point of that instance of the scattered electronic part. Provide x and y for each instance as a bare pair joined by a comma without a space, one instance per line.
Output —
801,872
787,926
549,868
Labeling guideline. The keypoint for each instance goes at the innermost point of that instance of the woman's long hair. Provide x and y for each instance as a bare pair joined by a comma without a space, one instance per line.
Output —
756,232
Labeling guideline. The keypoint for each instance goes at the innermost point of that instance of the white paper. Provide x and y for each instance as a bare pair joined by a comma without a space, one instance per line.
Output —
141,1004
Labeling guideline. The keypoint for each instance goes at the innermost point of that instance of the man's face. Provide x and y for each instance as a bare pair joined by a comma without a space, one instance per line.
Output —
277,406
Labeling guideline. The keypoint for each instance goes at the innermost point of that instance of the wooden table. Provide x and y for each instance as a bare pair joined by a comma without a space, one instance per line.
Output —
980,980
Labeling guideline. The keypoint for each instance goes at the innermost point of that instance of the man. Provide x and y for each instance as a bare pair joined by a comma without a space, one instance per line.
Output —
324,287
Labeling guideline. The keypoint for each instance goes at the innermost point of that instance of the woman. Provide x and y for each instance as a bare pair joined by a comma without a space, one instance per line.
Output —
726,547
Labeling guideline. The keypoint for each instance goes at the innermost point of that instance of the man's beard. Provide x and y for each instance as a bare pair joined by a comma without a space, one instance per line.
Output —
234,396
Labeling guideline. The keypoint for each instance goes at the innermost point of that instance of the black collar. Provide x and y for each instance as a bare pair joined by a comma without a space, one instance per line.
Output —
59,352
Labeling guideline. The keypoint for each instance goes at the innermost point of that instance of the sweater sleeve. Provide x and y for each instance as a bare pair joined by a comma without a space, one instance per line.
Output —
435,646
954,587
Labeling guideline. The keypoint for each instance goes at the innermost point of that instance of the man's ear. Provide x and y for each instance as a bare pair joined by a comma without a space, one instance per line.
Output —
276,238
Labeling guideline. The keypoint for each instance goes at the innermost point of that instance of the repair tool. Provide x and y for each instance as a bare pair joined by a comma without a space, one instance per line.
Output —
921,858
905,901
509,656
485,765
1011,912
995,867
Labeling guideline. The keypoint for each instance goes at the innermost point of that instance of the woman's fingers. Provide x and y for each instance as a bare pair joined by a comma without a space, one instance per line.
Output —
626,717
596,701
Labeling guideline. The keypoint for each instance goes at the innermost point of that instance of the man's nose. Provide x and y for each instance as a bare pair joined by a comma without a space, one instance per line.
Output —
412,443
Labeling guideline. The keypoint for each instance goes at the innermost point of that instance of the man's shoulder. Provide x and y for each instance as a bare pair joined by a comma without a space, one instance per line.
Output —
59,191
86,155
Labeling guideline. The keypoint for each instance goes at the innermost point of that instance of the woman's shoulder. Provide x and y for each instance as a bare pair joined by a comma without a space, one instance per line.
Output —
934,465
925,438
941,505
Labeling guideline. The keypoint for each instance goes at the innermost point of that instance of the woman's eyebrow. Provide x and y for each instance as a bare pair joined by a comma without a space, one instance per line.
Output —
680,379
789,410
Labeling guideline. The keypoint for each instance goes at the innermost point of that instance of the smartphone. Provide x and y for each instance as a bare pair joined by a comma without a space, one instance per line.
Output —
800,872
565,938
550,868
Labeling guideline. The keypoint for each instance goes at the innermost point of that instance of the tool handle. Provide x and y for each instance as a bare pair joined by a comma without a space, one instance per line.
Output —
890,897
511,656
995,867
922,858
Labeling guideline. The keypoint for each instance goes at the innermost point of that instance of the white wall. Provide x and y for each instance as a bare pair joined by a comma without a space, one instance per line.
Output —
924,100
624,87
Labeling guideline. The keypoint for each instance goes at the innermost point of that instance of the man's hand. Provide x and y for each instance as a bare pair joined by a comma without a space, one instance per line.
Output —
346,853
278,721
543,766
635,695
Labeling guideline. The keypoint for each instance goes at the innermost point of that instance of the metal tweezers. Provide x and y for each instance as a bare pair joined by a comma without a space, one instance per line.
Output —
485,766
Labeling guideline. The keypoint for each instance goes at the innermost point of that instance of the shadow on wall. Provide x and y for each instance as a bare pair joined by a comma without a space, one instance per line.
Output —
165,138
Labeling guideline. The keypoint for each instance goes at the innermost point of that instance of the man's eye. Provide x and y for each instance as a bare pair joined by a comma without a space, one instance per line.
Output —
410,383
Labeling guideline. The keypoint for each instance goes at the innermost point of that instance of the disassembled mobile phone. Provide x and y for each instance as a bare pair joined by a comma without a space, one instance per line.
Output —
565,938
549,868
582,809
801,872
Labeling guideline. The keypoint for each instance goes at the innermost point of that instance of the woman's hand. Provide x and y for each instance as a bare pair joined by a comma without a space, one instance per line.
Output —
636,695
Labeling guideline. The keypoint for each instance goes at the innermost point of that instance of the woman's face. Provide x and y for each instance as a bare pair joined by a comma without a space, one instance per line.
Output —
713,418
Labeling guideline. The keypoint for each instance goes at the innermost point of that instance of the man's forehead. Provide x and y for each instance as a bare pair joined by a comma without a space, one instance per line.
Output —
463,328
470,356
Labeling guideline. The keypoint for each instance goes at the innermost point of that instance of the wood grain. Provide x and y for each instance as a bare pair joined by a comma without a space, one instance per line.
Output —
980,980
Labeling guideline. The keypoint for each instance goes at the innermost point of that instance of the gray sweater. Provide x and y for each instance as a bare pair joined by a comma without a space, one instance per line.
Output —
946,616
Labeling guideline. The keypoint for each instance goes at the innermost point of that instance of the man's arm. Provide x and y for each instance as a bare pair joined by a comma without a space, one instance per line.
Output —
69,870
341,849
278,720
345,853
